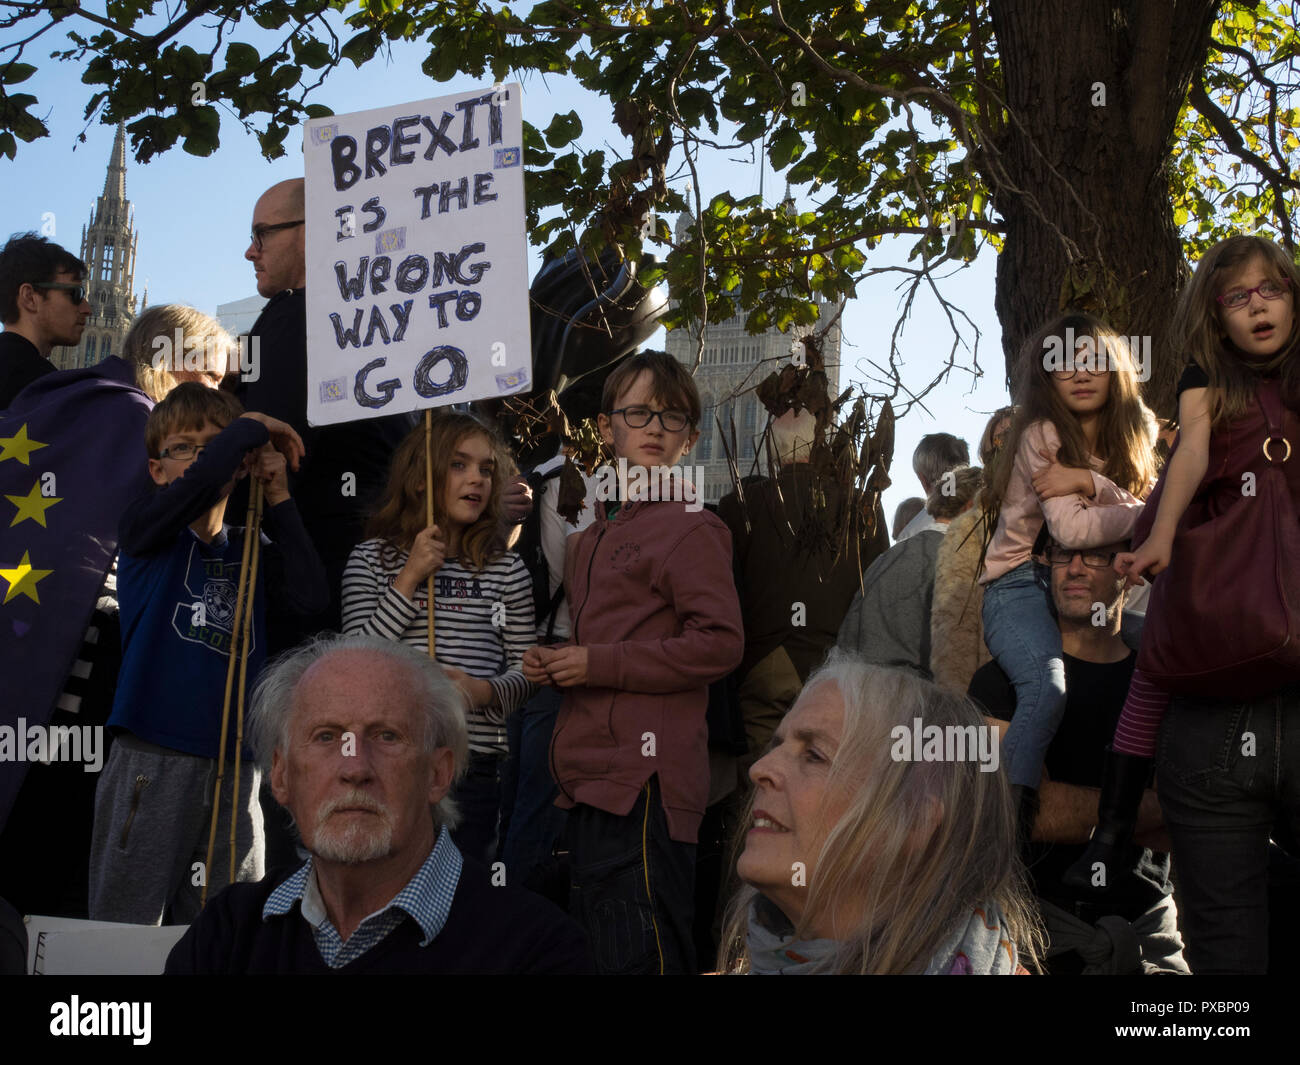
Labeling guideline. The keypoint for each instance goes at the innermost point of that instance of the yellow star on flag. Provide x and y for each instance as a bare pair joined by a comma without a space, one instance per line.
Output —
22,580
19,447
33,505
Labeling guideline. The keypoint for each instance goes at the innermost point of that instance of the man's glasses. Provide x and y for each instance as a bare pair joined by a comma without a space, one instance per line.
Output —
673,421
182,452
259,232
77,292
1269,290
1060,556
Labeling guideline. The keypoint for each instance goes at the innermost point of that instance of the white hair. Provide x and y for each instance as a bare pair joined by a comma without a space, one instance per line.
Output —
273,703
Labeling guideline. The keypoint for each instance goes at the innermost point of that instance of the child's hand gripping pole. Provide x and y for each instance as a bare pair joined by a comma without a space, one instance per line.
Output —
238,650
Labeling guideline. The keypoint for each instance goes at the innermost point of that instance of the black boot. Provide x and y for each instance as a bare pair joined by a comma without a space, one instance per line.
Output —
1106,872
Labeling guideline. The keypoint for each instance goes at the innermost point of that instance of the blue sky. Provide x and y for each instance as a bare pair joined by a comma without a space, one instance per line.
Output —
193,218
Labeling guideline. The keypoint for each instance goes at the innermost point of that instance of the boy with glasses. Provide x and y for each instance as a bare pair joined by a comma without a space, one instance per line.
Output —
655,620
42,304
178,575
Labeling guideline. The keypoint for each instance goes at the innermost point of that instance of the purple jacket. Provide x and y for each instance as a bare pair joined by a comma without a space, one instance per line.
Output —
653,600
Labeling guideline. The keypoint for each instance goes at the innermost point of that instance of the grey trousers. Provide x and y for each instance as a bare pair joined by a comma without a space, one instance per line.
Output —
153,809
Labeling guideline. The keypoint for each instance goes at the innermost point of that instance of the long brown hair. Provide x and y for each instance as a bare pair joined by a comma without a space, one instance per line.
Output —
401,513
1198,326
1125,426
906,900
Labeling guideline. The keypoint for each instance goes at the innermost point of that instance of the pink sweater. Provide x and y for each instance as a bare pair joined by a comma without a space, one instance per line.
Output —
1072,520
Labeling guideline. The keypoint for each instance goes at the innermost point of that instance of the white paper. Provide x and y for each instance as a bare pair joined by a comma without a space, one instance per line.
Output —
417,268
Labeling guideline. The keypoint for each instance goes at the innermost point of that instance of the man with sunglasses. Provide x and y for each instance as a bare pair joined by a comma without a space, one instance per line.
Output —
42,304
1137,934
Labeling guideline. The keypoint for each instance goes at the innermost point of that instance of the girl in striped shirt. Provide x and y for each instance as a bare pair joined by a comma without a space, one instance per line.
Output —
483,598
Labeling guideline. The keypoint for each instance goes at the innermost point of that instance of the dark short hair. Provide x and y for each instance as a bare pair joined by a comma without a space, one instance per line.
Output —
29,258
672,383
938,453
188,408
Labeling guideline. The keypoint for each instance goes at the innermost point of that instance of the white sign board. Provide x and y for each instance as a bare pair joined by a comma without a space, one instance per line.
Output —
417,260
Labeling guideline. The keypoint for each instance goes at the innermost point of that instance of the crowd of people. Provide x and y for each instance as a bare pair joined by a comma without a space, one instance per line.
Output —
660,737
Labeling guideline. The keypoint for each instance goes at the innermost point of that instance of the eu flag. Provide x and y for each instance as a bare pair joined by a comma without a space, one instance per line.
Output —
72,456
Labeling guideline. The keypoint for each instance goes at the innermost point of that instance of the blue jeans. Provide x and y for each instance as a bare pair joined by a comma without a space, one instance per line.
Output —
1226,774
478,797
1022,634
535,823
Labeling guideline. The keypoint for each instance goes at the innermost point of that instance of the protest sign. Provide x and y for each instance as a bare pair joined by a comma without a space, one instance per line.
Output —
417,268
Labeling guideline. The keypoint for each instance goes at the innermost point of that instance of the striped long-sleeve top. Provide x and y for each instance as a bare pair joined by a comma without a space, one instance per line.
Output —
483,623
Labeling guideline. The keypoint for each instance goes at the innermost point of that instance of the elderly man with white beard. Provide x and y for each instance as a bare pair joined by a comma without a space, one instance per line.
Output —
363,739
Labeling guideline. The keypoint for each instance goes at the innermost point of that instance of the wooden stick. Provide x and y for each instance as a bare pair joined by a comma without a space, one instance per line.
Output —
428,509
235,630
253,533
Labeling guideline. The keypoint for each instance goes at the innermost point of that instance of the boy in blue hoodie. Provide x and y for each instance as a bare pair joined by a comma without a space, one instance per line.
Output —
178,575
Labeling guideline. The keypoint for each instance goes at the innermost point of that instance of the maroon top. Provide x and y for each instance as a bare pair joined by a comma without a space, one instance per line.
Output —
652,599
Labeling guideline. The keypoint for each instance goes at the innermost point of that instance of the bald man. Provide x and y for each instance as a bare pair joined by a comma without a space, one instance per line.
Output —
346,465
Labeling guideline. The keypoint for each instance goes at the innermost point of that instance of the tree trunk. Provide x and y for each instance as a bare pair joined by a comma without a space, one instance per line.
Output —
1094,90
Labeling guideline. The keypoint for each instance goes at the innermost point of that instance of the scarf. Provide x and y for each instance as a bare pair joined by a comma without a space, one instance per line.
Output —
773,949
980,947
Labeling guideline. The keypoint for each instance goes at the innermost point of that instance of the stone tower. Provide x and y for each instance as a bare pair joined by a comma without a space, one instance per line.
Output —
732,364
108,250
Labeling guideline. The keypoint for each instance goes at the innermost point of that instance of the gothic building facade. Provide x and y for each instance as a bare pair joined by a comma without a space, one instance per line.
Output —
108,245
732,366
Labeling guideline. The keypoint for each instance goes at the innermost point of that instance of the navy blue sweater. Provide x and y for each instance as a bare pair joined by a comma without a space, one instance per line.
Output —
177,598
490,930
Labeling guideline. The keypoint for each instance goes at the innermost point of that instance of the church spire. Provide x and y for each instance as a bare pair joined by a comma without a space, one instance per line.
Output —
115,179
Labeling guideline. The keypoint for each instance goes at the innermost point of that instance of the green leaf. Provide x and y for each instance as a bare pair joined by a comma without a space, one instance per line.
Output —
786,146
361,48
16,72
204,128
563,129
241,58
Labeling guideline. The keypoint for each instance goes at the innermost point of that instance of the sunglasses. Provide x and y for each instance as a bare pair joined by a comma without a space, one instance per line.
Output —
77,292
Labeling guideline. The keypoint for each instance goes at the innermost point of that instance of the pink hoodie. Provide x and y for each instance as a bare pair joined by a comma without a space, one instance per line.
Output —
1073,521
653,600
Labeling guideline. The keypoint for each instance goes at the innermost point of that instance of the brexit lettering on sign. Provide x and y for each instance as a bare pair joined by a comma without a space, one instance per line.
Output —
417,277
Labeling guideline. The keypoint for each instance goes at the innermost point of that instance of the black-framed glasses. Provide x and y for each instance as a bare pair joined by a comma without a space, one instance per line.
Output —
182,452
259,232
77,292
673,421
1061,556
1269,290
